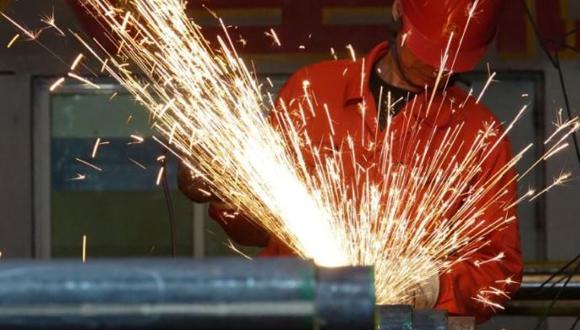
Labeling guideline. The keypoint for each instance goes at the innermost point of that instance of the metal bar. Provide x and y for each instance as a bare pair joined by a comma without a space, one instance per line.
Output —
429,319
395,317
346,298
530,288
569,308
184,294
533,299
406,318
161,294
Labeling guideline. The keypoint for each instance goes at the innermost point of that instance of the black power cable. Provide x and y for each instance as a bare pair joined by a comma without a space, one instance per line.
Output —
567,103
558,272
575,322
557,296
555,61
168,203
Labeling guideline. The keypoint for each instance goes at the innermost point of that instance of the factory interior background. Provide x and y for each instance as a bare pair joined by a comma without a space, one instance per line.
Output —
46,211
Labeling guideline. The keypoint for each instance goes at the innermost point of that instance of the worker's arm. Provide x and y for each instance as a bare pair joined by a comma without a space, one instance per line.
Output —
238,227
460,287
194,187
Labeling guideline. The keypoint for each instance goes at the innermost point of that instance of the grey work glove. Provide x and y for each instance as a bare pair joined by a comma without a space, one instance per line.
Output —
426,294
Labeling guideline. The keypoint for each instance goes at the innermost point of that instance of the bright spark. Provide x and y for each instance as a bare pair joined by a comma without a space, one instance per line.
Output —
488,302
84,162
51,22
272,34
13,40
390,214
205,192
137,163
29,33
352,52
497,258
237,250
83,80
79,177
56,84
559,180
76,62
84,253
136,139
333,53
485,87
159,176
404,39
96,148
508,281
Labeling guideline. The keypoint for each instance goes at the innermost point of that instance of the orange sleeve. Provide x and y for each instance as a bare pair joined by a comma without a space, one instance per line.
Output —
460,286
289,97
239,228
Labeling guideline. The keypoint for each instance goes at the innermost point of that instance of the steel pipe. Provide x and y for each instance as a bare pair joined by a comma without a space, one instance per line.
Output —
531,289
404,317
533,299
346,298
430,319
395,317
182,294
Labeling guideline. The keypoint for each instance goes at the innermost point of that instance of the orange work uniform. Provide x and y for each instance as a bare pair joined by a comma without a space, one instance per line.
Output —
343,86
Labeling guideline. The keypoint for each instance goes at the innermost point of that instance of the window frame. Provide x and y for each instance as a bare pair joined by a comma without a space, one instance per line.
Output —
41,159
537,78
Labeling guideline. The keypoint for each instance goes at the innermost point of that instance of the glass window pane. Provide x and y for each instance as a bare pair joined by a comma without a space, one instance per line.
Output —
118,206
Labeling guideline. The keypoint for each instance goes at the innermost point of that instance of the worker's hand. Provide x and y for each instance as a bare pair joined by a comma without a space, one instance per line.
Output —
426,294
194,187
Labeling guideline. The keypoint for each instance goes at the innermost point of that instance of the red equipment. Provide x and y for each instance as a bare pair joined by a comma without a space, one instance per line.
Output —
429,25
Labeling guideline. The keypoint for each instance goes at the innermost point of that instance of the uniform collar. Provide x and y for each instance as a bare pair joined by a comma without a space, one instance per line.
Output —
357,90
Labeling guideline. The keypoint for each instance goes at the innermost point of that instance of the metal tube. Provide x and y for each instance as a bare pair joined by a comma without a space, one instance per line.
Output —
184,294
531,283
345,298
395,317
531,299
429,319
407,318
161,294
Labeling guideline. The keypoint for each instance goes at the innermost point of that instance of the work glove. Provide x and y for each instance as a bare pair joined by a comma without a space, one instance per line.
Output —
426,294
194,187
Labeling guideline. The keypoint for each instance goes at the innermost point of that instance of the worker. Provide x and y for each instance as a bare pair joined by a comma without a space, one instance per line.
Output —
406,68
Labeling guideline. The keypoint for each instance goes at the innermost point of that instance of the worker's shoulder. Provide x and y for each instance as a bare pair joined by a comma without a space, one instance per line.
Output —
475,118
467,110
320,74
